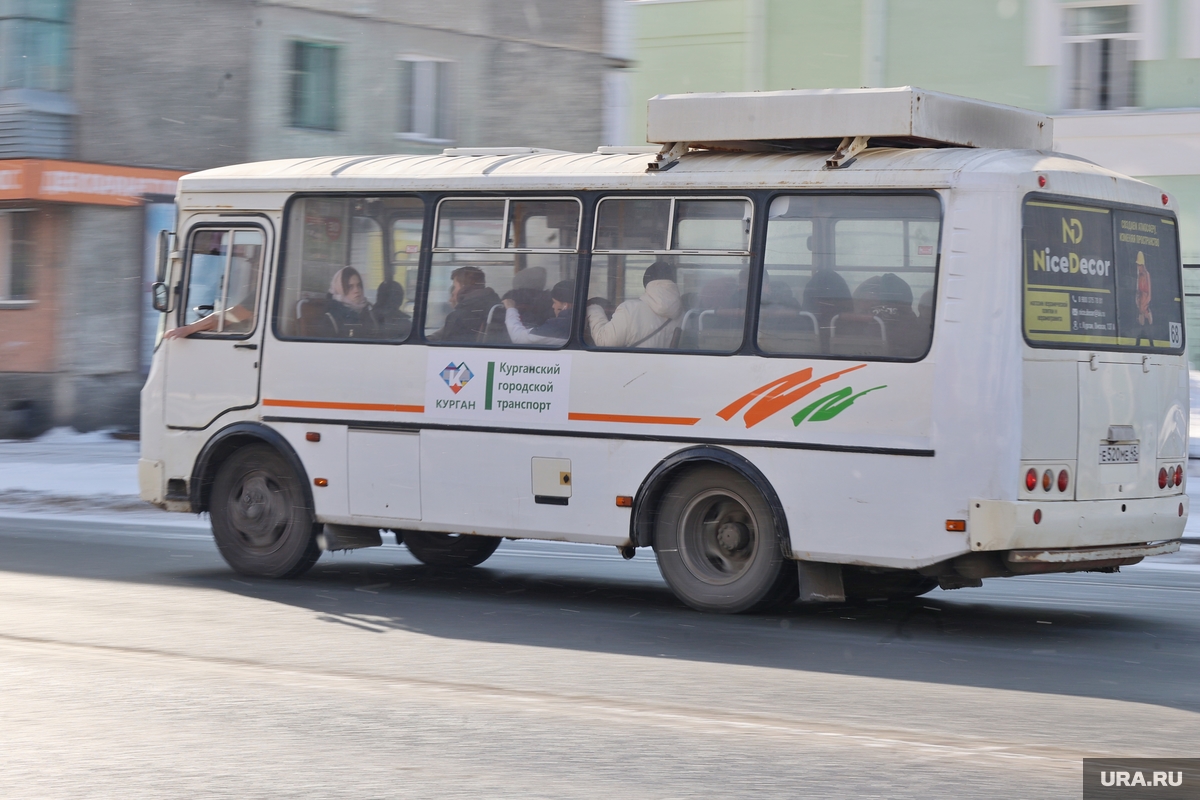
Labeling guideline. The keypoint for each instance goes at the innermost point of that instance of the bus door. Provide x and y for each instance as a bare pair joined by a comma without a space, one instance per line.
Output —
216,369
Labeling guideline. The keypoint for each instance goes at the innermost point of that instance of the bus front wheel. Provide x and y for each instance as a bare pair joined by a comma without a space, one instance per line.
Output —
450,549
260,520
717,546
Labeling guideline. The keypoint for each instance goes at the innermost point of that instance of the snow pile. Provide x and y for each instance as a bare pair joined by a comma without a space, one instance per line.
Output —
63,469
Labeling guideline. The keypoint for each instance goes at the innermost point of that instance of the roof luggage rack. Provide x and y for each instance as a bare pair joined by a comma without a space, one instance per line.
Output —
841,121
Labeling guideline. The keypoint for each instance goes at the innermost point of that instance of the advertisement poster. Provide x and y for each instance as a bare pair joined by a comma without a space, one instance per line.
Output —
1149,302
1069,274
498,386
1101,277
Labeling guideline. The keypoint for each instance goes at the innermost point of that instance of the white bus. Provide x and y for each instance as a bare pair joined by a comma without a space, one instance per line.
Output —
823,345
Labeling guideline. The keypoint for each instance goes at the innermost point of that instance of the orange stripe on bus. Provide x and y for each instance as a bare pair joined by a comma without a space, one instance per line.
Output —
633,418
345,406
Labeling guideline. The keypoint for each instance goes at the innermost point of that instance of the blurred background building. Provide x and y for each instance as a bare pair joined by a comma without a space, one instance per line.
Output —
1122,79
104,103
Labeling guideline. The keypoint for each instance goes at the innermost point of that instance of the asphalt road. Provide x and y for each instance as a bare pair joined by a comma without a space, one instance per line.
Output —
133,663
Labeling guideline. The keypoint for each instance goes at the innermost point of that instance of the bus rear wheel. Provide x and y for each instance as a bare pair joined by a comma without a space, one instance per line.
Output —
717,546
260,521
450,549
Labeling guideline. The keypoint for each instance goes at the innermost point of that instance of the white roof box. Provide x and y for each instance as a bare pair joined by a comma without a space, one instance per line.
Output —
821,118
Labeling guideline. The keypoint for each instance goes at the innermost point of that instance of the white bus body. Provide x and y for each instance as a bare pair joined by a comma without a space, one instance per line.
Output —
919,480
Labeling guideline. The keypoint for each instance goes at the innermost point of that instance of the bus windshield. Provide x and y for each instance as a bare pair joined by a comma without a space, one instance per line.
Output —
1101,277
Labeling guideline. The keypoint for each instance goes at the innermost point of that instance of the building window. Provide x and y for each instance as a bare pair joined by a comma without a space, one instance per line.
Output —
35,49
16,256
425,98
314,86
1100,67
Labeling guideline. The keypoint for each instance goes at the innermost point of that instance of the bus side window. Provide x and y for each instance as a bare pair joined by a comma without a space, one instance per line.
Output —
223,277
669,274
863,268
342,277
504,272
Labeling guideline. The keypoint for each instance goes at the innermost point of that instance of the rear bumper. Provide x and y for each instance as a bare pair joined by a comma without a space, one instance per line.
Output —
1009,525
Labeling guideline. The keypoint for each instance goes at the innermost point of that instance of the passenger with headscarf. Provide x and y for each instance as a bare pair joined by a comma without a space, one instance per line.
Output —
347,304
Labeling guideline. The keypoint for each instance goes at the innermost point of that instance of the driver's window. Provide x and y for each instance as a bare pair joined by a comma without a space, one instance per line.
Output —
223,276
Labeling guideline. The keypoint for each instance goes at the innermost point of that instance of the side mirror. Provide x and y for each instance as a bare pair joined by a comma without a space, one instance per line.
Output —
160,297
162,253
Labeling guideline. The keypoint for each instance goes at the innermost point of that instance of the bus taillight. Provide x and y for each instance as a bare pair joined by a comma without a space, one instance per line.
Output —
1047,480
1179,475
1162,478
1031,479
1063,480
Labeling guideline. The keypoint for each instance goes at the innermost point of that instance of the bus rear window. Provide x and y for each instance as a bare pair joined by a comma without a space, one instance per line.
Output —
1101,278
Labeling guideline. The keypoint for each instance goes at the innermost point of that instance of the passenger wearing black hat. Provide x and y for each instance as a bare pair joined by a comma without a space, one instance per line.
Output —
554,331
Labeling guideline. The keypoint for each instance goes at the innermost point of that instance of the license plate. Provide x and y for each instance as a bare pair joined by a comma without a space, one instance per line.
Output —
1118,454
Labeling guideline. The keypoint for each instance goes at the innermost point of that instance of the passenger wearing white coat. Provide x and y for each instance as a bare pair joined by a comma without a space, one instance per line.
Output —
649,321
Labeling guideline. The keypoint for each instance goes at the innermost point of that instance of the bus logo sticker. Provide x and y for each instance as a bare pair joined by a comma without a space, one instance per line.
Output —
771,398
517,386
457,376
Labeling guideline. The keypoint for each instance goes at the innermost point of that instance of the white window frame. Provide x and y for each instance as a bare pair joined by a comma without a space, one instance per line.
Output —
7,301
1134,36
429,99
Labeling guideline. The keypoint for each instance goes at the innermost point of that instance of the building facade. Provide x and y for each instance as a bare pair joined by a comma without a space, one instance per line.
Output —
120,97
1122,79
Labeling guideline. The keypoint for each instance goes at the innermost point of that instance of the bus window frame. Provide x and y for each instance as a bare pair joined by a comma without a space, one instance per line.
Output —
753,263
1111,206
237,222
586,204
276,307
768,198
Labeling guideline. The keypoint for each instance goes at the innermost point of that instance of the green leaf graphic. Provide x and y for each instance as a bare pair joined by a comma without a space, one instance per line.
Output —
830,405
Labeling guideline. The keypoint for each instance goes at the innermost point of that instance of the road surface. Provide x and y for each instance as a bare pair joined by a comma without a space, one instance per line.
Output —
133,663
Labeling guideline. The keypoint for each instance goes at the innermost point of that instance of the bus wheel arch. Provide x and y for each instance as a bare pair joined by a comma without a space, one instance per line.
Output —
224,444
648,499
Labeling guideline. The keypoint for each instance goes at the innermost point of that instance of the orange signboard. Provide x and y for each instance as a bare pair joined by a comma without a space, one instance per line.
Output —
79,182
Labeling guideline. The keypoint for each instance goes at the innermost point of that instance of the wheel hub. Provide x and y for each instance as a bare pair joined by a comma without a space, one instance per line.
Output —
732,536
258,511
718,538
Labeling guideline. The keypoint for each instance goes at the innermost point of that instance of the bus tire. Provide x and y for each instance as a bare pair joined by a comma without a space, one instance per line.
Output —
260,520
860,583
717,547
450,549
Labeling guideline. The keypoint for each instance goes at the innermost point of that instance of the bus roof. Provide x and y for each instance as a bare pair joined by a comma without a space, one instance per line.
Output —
556,171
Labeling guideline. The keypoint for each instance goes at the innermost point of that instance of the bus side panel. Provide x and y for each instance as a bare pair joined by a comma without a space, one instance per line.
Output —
484,482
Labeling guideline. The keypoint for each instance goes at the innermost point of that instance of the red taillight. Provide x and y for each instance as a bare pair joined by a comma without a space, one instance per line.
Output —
1037,516
1031,479
1063,480
1047,480
1162,478
1179,476
1042,181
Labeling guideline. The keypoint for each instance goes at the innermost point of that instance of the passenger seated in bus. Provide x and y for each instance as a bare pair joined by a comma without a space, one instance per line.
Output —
648,321
471,300
825,296
925,305
555,330
530,296
347,307
392,322
888,297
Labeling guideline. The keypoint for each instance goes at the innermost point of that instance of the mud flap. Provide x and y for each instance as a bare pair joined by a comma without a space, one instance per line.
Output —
820,583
